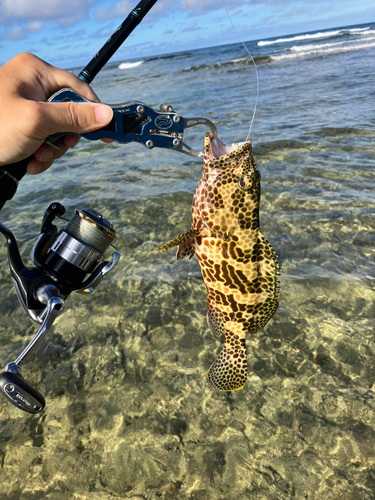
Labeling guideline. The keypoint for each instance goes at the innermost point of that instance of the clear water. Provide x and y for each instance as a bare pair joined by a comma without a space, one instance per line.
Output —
129,414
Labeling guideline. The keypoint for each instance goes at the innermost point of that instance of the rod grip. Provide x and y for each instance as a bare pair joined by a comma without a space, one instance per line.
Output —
18,169
8,186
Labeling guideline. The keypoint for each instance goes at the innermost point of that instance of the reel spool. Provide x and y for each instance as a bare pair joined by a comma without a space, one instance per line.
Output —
74,251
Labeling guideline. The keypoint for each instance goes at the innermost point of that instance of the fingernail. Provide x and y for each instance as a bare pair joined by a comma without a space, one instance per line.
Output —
46,155
103,114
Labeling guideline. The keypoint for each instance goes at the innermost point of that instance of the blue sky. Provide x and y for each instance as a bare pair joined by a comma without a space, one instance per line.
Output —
68,33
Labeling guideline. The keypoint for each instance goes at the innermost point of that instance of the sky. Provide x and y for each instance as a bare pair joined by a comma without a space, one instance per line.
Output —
68,33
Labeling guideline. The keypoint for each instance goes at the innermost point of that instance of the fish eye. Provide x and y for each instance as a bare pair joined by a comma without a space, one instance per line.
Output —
244,183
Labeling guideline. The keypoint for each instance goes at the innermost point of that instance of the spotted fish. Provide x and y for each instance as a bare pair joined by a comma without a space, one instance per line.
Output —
237,262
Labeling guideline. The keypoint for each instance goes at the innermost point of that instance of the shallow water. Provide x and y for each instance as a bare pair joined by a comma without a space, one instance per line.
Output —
129,414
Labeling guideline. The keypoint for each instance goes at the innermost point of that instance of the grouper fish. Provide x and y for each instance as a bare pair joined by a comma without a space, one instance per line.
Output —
238,264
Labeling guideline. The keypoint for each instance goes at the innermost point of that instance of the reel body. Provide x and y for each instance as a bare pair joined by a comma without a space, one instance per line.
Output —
66,261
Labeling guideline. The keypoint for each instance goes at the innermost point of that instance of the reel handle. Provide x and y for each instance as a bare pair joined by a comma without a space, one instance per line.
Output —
54,308
19,392
12,384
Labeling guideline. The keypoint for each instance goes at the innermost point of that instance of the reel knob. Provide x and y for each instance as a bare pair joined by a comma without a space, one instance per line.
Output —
20,393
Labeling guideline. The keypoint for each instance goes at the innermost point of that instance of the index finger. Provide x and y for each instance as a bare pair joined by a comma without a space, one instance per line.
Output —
58,78
38,80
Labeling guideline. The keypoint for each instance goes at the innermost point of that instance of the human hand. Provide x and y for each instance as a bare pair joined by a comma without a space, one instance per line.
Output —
27,120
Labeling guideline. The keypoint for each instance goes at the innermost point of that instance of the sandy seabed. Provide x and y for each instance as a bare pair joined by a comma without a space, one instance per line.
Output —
129,414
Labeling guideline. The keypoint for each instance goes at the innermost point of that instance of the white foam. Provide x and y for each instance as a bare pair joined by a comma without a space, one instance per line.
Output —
323,51
324,34
305,48
242,59
355,30
129,65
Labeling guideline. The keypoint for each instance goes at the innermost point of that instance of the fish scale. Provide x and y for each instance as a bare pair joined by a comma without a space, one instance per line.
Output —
238,264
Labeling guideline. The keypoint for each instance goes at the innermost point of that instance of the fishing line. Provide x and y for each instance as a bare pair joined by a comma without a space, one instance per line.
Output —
139,85
166,47
255,67
68,184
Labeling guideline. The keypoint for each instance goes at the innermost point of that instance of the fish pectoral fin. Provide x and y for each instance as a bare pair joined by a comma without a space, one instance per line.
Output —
215,320
269,252
186,249
179,240
229,370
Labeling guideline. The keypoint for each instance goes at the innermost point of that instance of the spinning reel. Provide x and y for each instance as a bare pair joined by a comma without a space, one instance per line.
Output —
66,261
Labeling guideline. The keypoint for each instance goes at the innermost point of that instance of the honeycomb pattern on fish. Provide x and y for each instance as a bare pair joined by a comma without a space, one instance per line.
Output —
238,264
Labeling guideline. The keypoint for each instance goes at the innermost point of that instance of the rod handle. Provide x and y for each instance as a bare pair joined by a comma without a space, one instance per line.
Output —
11,175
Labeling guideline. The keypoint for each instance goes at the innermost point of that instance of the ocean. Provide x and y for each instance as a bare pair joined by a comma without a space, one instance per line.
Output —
129,414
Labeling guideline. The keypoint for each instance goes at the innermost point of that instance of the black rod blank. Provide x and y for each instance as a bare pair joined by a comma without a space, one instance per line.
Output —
116,40
18,169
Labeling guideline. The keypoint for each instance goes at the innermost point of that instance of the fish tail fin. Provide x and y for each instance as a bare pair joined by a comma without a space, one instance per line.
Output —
185,241
229,370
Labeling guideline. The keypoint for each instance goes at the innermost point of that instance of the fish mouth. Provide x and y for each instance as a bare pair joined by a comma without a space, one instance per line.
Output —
217,149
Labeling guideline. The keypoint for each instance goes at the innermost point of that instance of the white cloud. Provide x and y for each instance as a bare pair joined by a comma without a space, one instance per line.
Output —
211,5
65,12
124,7
16,33
198,7
120,9
35,26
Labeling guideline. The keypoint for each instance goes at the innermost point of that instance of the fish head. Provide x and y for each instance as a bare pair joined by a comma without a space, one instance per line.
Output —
228,194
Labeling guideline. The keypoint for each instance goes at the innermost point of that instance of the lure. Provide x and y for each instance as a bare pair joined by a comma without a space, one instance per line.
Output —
238,264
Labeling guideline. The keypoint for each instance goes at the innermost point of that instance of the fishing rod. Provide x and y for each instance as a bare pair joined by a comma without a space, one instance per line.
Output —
66,261
72,259
11,174
116,40
132,121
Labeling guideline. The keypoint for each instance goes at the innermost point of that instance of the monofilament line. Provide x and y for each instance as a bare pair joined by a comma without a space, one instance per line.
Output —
255,67
141,82
72,181
165,48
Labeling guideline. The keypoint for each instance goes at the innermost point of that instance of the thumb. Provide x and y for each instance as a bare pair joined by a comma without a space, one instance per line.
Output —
73,117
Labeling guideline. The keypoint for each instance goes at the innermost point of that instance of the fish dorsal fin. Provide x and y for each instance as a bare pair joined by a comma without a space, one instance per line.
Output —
184,240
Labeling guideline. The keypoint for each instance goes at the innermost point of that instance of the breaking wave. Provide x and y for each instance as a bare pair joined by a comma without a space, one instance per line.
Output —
308,36
305,48
129,65
309,50
243,61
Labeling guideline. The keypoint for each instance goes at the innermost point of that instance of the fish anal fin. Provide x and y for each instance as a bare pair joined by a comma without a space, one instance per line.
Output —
215,320
179,240
229,370
263,315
